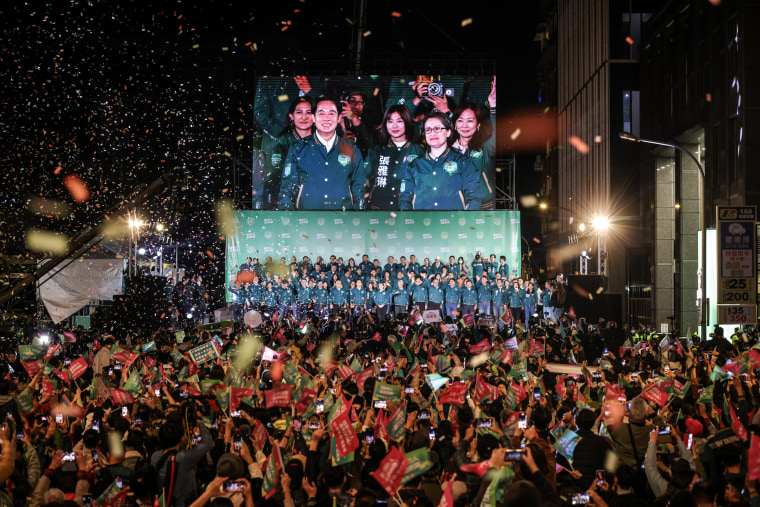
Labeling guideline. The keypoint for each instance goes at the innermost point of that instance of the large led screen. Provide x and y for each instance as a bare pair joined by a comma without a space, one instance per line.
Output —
406,143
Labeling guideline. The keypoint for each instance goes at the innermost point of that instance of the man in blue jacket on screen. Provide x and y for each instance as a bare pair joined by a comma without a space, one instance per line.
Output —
323,171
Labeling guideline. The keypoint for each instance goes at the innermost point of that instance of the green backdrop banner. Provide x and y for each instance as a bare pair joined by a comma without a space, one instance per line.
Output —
348,234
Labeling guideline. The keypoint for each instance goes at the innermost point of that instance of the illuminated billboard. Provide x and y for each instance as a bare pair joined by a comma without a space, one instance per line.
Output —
406,143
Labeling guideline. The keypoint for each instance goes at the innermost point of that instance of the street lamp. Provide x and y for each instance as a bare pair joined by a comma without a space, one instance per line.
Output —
625,136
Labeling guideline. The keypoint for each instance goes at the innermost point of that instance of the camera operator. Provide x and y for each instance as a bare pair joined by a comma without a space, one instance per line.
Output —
352,127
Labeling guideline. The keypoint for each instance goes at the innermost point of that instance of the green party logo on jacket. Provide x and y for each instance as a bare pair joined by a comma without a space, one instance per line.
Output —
476,153
286,171
409,158
276,159
450,167
344,160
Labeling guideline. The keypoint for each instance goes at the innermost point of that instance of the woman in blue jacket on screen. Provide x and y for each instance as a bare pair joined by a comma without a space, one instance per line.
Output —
442,179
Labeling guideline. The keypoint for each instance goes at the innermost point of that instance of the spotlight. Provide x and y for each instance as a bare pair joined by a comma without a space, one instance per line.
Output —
141,251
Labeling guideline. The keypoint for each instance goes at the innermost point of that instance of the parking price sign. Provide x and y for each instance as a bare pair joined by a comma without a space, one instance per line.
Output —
737,257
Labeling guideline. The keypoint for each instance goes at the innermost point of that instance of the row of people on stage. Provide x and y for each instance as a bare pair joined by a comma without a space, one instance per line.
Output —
442,160
306,295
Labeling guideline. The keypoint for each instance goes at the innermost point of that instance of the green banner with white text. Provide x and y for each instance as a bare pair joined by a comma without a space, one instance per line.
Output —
425,234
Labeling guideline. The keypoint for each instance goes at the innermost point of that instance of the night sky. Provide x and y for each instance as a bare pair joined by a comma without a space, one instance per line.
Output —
100,97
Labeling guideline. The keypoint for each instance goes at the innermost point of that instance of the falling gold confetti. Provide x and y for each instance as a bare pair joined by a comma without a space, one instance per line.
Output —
516,134
46,241
578,144
467,21
76,188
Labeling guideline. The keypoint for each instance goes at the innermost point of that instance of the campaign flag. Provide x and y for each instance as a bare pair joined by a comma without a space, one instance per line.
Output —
736,424
122,397
656,394
519,370
48,387
560,387
537,348
52,351
506,317
381,426
345,437
477,468
485,390
468,320
336,461
386,392
133,384
419,463
571,312
149,362
271,475
496,490
306,397
377,337
78,367
707,395
753,458
391,470
520,393
259,433
208,385
345,372
127,357
279,397
754,359
32,367
447,500
480,347
223,398
510,400
396,424
455,393
25,403
565,444
362,377
683,390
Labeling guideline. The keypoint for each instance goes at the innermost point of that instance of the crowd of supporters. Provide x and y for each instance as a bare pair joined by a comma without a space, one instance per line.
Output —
340,405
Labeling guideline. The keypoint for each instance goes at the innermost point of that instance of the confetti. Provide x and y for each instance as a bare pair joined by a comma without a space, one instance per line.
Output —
46,241
395,14
629,40
515,134
578,144
598,139
467,21
76,188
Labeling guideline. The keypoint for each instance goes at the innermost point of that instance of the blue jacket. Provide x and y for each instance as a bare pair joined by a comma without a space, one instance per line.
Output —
449,183
419,293
304,294
530,299
400,297
382,297
500,296
484,293
516,298
270,298
469,296
358,296
453,294
338,296
435,294
317,180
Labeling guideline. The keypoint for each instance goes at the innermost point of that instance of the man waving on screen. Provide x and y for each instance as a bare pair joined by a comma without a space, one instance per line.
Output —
324,171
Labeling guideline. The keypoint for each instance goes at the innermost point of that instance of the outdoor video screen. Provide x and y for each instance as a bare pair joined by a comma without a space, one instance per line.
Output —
404,143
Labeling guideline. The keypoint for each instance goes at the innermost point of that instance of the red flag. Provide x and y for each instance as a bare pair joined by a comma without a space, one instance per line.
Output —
63,375
447,500
391,470
51,351
118,500
482,346
380,426
520,393
477,468
560,387
377,337
122,397
259,433
455,393
127,357
362,377
468,319
307,397
737,425
753,458
656,394
237,394
345,372
149,362
346,440
329,367
280,397
484,389
78,367
31,367
69,337
571,312
679,347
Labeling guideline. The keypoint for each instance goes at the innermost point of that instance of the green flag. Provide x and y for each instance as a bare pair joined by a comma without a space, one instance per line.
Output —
396,423
386,392
207,384
520,370
419,463
25,403
133,384
348,458
223,398
684,390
